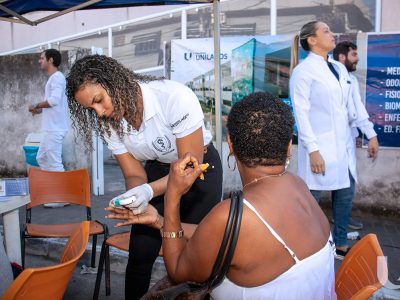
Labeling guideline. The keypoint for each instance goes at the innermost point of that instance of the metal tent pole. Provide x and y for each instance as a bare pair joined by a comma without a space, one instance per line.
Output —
217,77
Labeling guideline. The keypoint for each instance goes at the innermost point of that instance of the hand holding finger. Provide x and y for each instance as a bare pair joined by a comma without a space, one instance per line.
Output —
183,174
186,160
149,216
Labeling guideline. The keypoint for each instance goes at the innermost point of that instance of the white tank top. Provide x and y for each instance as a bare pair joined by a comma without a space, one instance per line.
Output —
310,278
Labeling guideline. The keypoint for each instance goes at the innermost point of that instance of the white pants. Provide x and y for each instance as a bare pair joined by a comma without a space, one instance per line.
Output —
50,150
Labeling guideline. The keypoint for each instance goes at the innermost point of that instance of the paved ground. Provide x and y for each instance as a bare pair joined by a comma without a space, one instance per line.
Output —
81,286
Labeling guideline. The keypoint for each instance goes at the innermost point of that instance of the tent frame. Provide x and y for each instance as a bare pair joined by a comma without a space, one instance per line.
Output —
17,18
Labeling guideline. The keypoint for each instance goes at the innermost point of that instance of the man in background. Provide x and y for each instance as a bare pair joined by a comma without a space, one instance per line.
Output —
346,53
54,115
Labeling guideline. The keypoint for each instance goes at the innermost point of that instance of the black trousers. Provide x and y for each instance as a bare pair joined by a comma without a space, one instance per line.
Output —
145,242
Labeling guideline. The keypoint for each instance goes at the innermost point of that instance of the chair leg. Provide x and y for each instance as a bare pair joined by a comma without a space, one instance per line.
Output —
94,243
107,266
23,247
99,272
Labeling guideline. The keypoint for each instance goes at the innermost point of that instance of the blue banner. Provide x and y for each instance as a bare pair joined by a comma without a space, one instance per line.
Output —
383,87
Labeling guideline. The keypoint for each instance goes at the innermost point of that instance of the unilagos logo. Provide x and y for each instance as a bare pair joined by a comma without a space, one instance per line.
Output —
202,56
188,56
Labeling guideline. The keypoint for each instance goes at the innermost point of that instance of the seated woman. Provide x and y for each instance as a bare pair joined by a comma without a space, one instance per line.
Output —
284,250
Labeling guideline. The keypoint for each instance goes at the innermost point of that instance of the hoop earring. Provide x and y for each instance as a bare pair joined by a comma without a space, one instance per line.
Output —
228,161
287,162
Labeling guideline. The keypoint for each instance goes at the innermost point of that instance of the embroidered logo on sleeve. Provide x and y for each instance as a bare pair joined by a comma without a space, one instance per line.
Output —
162,144
180,121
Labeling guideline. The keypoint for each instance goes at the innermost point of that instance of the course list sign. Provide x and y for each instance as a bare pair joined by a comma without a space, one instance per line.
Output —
383,87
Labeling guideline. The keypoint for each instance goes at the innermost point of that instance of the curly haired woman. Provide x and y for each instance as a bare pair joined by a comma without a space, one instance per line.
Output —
151,120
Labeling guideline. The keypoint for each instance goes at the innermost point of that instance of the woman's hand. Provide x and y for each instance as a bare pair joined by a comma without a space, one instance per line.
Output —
183,173
317,163
149,217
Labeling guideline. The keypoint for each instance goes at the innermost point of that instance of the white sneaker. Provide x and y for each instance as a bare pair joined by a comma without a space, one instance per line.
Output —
353,235
55,204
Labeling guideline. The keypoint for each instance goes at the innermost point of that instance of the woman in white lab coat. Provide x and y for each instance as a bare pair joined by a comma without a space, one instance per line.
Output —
319,88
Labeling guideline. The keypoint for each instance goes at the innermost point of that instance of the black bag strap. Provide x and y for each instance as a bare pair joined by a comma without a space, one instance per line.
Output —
237,203
228,231
235,235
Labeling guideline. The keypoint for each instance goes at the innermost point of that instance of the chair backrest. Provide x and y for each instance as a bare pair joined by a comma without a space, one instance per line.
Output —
51,282
357,277
52,186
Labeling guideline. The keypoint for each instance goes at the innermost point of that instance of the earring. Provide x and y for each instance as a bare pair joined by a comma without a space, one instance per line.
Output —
228,161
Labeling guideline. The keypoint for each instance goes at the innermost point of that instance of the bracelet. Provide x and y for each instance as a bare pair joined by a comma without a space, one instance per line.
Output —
171,234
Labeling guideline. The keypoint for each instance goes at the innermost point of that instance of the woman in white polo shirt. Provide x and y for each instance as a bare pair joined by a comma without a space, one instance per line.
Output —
144,119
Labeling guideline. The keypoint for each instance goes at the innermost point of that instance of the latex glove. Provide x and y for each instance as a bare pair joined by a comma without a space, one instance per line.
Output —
135,199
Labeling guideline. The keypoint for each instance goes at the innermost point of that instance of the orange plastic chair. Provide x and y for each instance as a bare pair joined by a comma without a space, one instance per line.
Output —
357,278
119,241
50,186
51,282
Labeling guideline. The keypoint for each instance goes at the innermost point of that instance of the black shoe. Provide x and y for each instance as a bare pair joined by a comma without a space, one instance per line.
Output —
354,224
340,254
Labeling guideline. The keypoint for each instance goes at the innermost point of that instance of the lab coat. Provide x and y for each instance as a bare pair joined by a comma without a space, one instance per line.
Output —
320,109
358,115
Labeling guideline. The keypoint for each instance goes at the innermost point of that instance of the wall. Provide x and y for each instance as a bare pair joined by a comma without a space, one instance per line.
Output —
22,84
379,181
390,15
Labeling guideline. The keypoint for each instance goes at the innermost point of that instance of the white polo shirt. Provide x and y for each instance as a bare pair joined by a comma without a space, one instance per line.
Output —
171,110
55,117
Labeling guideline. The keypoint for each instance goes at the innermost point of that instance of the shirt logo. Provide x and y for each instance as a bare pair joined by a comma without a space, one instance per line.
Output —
162,144
179,121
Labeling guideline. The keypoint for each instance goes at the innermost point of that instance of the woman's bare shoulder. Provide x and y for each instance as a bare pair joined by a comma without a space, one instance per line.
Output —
219,213
297,181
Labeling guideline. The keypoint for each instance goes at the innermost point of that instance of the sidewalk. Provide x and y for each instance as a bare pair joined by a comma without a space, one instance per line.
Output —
47,252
